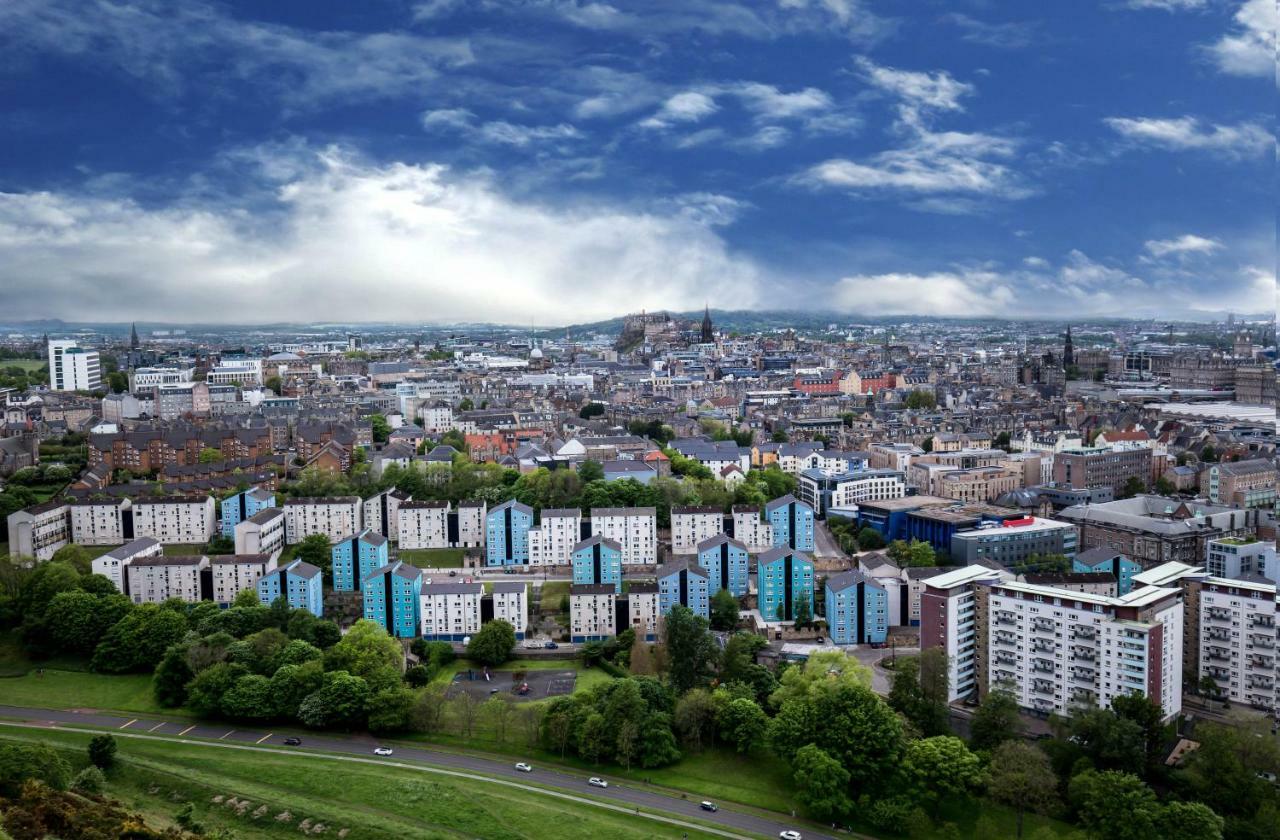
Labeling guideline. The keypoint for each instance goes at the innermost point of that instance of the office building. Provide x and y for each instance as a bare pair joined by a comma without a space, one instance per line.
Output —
1112,467
1014,541
1152,530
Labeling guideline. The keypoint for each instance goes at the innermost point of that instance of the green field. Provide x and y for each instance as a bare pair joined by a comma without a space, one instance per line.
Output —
62,689
183,549
433,558
371,801
28,365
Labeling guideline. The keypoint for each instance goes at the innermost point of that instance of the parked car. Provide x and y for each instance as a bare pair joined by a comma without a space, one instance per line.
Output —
551,646
789,835
524,768
709,806
293,742
382,751
453,574
596,781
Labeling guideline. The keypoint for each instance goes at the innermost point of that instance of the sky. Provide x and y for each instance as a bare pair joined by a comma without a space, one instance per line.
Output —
559,161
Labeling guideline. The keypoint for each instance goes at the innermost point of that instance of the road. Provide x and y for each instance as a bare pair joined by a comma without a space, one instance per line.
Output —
824,543
651,804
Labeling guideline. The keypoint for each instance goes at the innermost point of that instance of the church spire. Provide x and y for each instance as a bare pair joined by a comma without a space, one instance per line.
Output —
1068,350
708,335
133,337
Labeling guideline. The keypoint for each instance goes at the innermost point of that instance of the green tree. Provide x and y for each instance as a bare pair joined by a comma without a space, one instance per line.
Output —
364,649
169,682
1021,777
1208,454
1165,487
390,710
690,649
1132,487
589,471
743,724
1109,741
77,556
102,751
591,409
925,400
118,382
695,718
493,644
821,784
291,684
138,641
869,539
21,762
995,721
941,767
380,428
90,781
82,619
339,703
1149,717
919,691
1188,821
315,549
249,699
205,692
724,610
911,554
1112,805
209,455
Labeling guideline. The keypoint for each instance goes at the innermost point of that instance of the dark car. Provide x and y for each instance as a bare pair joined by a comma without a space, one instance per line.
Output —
551,646
293,742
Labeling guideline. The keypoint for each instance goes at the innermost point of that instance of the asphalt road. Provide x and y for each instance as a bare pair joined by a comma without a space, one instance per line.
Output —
731,822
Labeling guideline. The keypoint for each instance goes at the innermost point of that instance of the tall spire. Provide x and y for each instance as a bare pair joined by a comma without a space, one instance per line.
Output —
133,336
1068,350
708,335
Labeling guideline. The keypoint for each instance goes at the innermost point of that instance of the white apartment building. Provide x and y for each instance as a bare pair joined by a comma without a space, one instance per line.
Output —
423,524
381,512
750,530
436,418
245,371
1233,557
234,573
153,580
867,486
335,517
949,620
262,533
98,522
450,610
114,565
40,530
1238,639
511,604
1060,650
635,529
174,519
552,542
146,378
591,612
72,368
471,524
642,608
692,525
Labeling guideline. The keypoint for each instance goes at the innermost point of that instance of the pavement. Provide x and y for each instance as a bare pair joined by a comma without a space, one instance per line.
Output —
824,543
648,802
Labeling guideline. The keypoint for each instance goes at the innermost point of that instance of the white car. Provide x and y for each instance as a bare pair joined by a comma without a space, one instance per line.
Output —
789,835
596,781
382,751
524,768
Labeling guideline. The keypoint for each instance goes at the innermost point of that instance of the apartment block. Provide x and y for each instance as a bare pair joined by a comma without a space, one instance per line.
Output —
472,516
155,579
953,617
382,512
1238,639
641,609
1014,541
507,534
99,521
857,609
450,611
684,583
73,368
784,580
114,565
692,525
552,542
1242,484
422,524
727,563
792,523
262,533
1107,561
592,616
598,561
391,596
1238,557
236,509
508,602
40,530
355,557
298,582
174,519
234,573
335,517
750,529
635,529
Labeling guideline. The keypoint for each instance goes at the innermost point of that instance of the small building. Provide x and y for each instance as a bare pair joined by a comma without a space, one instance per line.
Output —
262,533
792,523
507,534
1104,559
508,602
641,609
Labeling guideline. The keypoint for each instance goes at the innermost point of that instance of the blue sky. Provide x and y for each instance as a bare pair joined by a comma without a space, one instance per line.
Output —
552,161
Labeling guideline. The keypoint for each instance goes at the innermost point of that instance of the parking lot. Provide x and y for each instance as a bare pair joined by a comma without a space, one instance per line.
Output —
542,684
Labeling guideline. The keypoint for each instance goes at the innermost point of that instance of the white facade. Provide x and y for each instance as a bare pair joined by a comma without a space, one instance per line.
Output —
1238,640
635,529
642,609
114,564
72,368
335,517
752,531
871,486
471,524
262,533
98,522
511,604
591,612
690,526
146,378
423,525
232,574
435,419
39,531
153,580
552,542
451,609
373,509
174,519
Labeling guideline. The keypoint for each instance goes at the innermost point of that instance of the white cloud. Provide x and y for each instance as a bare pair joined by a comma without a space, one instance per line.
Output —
1244,139
919,92
1166,5
500,132
1010,35
1250,48
768,102
686,107
396,242
1035,262
957,294
1188,243
455,118
163,43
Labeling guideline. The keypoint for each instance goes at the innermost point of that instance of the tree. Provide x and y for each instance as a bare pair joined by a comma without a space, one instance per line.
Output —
1208,454
779,436
803,612
911,554
102,751
918,400
1020,777
274,384
249,699
869,539
339,703
138,641
1165,487
1188,821
591,409
695,718
90,781
493,644
589,471
1110,742
995,721
76,556
724,610
743,724
1149,717
941,767
169,683
690,648
364,649
118,382
919,691
391,710
822,785
315,549
21,762
380,428
208,455
1112,805
1132,487
205,692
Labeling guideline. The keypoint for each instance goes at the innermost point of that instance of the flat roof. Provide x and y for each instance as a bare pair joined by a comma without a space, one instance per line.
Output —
961,576
1166,573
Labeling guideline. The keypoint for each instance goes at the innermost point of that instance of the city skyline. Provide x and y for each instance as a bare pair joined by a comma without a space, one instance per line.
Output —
506,163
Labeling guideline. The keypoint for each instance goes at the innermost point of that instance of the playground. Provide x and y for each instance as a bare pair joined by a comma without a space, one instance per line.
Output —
522,686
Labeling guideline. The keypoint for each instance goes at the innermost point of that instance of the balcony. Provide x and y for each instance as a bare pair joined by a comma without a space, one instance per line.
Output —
1084,632
1043,687
1218,614
1042,666
1084,695
1084,675
1218,673
1043,646
1264,662
1043,625
1005,617
1217,654
1041,705
1260,640
1085,653
1006,639
1261,622
1219,634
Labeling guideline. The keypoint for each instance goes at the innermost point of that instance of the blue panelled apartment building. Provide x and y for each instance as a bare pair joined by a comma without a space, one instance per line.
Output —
684,583
507,534
392,597
785,578
792,523
356,557
238,508
727,563
857,609
597,560
298,582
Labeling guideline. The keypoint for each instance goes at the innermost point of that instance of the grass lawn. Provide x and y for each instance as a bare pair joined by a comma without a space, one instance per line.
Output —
372,802
27,365
553,592
183,549
63,689
46,490
433,558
